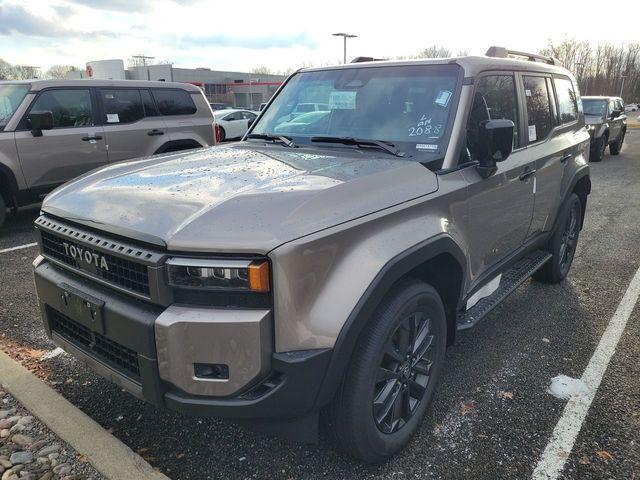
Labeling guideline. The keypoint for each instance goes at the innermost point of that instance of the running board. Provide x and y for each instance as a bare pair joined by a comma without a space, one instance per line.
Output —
511,279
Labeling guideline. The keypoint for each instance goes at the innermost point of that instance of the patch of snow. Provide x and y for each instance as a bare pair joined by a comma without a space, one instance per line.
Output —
564,387
52,353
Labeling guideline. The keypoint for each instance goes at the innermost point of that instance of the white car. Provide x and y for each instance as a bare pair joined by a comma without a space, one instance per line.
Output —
233,123
631,107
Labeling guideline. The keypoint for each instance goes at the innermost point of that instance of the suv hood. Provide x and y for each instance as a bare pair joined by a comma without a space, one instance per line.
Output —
237,198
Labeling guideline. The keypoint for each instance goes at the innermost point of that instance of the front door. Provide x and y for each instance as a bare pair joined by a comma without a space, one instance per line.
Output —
500,207
74,146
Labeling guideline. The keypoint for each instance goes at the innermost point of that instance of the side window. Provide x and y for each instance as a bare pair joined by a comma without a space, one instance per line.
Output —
122,106
539,116
70,108
174,102
150,109
248,116
494,98
567,104
619,105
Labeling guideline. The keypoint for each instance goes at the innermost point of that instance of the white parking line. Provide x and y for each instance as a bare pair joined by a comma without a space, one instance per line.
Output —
566,431
19,247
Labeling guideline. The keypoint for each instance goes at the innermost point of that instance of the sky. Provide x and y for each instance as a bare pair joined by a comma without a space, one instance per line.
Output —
282,35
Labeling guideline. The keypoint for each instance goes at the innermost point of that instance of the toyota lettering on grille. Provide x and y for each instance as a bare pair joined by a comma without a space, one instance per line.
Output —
87,256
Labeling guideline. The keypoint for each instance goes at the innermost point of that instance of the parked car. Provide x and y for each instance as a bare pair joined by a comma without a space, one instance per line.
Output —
607,124
631,107
293,272
54,130
220,106
233,123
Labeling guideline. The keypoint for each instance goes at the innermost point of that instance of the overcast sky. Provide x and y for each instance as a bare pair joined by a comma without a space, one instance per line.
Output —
241,35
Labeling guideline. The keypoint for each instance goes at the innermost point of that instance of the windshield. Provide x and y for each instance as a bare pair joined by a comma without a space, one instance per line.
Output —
10,98
409,106
594,107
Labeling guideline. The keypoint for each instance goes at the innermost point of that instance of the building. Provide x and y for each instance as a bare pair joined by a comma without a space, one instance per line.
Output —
238,89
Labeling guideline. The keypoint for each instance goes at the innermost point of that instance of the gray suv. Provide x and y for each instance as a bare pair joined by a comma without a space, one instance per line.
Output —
51,131
328,267
607,124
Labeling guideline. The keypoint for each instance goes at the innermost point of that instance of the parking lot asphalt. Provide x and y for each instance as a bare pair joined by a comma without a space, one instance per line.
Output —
491,417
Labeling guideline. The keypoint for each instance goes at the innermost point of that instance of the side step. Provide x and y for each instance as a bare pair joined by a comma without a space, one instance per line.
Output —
511,279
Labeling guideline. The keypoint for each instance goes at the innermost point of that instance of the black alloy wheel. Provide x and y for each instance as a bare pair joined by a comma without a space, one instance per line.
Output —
570,237
404,373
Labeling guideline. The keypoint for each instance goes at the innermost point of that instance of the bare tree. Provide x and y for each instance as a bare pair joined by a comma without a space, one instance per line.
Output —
600,69
60,71
435,51
262,70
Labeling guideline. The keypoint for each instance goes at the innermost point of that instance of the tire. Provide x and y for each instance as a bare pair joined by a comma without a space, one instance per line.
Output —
223,135
563,242
378,370
3,210
615,147
599,148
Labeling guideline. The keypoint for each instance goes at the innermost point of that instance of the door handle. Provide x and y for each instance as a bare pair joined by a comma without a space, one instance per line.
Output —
89,138
527,173
155,132
566,157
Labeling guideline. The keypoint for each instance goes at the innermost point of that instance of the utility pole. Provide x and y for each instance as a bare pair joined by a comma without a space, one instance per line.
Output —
622,86
143,59
344,38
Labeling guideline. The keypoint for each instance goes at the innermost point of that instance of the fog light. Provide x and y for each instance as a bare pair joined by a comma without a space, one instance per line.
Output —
212,371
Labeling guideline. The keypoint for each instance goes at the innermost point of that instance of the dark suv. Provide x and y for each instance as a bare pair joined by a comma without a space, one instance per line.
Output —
329,263
607,124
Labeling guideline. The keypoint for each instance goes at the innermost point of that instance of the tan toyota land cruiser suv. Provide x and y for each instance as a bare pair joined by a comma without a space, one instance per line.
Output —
323,265
51,131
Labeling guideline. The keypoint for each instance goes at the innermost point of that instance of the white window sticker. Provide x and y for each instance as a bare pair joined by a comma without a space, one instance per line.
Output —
113,118
432,147
443,98
527,93
533,136
345,100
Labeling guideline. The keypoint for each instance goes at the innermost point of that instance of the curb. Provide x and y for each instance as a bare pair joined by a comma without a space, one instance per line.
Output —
106,453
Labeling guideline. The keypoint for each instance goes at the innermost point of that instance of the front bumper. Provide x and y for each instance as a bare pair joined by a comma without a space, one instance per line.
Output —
150,350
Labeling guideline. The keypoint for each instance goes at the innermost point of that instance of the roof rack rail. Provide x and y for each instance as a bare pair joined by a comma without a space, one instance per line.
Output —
367,59
501,52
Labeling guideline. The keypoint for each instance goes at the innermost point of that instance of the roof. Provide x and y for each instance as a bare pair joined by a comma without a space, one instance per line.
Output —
225,111
472,65
40,84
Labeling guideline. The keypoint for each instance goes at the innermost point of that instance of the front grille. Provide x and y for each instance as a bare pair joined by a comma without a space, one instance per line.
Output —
113,354
125,273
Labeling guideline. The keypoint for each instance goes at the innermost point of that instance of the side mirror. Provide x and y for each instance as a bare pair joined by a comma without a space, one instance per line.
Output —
39,121
616,113
251,120
495,139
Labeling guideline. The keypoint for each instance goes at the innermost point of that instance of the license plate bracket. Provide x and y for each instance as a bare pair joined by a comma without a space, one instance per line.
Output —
81,307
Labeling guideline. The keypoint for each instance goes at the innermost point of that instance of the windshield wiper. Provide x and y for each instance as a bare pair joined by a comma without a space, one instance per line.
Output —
286,141
359,142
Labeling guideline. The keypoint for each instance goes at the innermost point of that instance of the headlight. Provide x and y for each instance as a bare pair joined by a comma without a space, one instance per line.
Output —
231,275
590,128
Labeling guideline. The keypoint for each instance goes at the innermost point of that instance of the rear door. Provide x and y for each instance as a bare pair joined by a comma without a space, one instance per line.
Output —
74,146
548,147
132,125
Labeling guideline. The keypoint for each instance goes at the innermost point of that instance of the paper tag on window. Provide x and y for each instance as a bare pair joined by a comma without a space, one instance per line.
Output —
113,118
533,136
443,98
527,93
427,146
342,100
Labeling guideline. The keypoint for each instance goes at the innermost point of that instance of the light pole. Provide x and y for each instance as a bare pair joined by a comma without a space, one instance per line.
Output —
622,86
344,38
250,102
